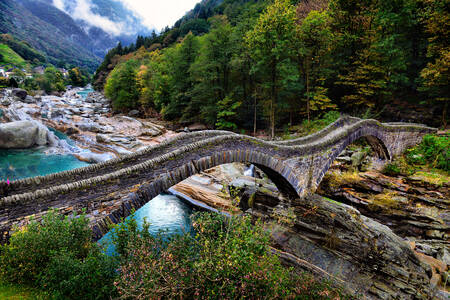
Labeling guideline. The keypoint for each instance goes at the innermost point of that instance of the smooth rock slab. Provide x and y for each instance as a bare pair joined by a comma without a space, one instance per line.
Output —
22,134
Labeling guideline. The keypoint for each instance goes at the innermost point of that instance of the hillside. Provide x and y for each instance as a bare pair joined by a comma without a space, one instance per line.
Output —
43,36
66,36
249,65
123,24
9,57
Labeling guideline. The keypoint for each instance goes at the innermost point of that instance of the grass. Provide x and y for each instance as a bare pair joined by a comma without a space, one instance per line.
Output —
11,57
15,292
435,177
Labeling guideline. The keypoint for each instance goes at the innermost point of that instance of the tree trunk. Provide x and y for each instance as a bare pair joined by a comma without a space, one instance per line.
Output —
307,91
273,99
444,115
254,113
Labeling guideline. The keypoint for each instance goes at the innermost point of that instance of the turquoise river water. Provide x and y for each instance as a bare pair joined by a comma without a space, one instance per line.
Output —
164,212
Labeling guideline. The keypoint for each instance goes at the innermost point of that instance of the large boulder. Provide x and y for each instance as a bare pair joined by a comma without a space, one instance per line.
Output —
20,93
22,134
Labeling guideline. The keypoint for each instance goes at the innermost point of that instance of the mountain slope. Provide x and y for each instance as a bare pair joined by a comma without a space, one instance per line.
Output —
8,56
15,19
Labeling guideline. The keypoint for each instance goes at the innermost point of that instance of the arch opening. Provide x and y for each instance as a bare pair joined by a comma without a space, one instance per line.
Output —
275,169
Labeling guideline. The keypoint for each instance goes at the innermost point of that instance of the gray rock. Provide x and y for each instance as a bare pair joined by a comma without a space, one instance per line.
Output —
92,127
30,100
22,134
94,157
20,93
133,113
361,253
444,255
6,101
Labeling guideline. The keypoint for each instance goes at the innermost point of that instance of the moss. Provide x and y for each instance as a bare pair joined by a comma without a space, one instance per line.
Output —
331,200
337,178
251,200
383,202
435,177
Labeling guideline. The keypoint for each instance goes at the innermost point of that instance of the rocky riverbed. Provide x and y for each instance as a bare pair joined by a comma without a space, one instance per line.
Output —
98,134
381,237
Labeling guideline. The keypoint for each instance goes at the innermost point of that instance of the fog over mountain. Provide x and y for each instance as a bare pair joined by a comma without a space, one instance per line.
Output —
75,31
111,16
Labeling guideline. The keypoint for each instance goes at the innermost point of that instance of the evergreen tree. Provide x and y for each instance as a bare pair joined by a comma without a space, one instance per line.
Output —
435,76
121,87
314,40
271,45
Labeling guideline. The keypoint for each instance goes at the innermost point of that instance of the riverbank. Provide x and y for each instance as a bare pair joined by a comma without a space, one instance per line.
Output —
409,214
321,231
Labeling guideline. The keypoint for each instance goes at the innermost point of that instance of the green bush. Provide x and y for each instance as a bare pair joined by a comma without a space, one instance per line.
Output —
58,256
68,277
391,169
227,258
310,127
31,248
121,87
433,150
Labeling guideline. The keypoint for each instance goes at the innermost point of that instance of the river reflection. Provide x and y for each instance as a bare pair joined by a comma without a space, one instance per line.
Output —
164,213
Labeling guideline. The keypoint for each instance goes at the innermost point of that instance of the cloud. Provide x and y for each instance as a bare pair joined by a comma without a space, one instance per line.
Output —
82,10
152,13
160,13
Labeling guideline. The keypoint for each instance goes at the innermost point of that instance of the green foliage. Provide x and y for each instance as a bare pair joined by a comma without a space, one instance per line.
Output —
58,256
309,127
23,49
16,291
284,63
8,56
314,39
435,76
77,77
226,258
433,150
270,45
31,248
68,277
226,115
391,169
121,87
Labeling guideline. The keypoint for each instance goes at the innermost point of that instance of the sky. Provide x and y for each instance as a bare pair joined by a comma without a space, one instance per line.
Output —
155,14
160,13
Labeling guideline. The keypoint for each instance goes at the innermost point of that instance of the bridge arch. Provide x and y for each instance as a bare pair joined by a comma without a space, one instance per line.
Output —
110,190
375,140
280,173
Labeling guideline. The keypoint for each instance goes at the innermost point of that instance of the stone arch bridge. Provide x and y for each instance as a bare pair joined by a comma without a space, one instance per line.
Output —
111,190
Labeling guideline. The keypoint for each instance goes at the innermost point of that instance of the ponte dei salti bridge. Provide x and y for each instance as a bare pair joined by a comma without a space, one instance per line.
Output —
111,190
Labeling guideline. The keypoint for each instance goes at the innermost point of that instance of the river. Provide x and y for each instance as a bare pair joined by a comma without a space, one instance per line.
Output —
164,212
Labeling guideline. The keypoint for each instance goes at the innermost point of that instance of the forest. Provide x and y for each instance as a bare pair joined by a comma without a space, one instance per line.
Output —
251,65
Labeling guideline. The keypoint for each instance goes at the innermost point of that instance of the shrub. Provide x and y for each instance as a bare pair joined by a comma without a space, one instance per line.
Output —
391,169
433,150
309,127
31,248
71,278
225,258
58,256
